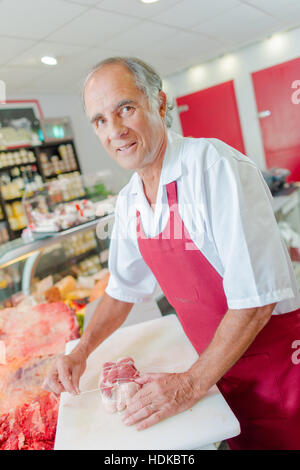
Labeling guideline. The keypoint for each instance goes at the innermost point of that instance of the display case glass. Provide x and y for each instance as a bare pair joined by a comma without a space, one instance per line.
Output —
60,240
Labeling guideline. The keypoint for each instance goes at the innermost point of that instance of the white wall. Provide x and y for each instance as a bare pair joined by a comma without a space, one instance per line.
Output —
238,66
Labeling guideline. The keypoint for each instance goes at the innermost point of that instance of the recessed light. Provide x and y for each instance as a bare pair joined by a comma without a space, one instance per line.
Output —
149,1
49,60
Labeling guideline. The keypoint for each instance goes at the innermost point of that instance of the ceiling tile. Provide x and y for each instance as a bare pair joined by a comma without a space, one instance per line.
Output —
137,8
59,78
142,37
84,2
10,47
93,28
63,52
35,18
189,12
185,44
284,9
171,35
240,24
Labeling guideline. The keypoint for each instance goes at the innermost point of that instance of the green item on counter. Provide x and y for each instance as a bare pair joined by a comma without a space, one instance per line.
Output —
80,319
99,189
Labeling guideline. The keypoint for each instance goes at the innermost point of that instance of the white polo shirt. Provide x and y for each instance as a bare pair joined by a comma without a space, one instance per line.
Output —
225,205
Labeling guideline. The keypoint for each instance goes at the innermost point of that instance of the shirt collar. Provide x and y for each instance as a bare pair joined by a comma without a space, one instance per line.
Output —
172,165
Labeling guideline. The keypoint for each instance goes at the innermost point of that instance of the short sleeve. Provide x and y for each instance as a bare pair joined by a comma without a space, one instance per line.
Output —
255,262
131,280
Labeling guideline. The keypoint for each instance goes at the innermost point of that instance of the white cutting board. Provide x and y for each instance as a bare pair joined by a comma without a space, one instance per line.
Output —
158,345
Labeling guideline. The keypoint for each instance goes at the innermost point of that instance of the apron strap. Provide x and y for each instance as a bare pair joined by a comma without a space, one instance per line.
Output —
172,193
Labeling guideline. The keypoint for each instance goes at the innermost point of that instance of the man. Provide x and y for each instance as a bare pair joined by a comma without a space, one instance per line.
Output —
200,222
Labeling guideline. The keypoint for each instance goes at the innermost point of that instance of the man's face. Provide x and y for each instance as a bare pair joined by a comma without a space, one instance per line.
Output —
131,132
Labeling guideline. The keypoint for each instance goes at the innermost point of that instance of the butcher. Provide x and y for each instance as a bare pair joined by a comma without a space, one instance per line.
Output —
196,218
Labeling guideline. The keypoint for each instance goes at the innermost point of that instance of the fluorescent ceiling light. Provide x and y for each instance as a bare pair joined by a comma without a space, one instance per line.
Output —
277,42
149,1
49,60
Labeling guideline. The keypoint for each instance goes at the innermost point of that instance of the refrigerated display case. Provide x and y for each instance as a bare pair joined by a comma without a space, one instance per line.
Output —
76,252
24,168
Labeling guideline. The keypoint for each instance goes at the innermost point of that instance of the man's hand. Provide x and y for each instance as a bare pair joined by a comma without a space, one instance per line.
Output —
109,315
65,375
162,396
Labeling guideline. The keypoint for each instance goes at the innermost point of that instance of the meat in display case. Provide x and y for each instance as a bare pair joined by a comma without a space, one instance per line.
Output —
46,284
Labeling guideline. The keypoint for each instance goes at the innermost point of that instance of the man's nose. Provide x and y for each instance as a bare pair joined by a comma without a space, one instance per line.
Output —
117,129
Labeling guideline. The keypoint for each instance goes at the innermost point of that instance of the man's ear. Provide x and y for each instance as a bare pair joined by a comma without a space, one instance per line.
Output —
162,103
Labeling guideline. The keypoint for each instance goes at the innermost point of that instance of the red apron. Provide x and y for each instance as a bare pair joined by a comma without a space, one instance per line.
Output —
263,387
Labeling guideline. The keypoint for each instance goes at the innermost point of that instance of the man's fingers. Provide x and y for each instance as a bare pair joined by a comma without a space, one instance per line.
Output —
75,379
146,378
52,385
143,413
153,419
137,403
65,377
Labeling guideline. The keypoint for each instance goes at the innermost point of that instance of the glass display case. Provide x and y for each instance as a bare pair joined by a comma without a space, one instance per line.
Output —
68,266
46,288
68,222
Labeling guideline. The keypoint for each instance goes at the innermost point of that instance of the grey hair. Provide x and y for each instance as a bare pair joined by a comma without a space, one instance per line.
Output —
146,78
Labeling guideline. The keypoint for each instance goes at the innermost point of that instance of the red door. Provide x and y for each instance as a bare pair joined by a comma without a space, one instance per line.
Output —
278,99
212,112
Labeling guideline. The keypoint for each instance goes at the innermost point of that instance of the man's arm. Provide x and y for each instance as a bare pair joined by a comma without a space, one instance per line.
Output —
109,315
164,395
233,337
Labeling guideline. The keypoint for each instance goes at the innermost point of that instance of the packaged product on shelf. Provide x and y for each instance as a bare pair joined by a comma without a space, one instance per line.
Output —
85,282
19,215
53,294
42,286
4,237
66,285
106,206
78,294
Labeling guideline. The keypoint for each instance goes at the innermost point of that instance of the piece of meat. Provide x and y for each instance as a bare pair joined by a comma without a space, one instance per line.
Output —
37,330
33,335
117,384
31,425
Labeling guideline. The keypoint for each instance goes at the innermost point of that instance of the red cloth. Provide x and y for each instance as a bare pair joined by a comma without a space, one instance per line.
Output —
263,387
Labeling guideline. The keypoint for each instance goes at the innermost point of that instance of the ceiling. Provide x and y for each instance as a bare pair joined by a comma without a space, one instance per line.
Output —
172,35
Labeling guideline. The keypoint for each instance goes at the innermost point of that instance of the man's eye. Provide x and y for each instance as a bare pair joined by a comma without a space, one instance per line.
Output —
126,109
99,122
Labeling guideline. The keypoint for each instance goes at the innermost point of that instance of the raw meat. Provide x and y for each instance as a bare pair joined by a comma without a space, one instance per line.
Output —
31,426
33,336
117,384
37,330
21,380
2,353
28,414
